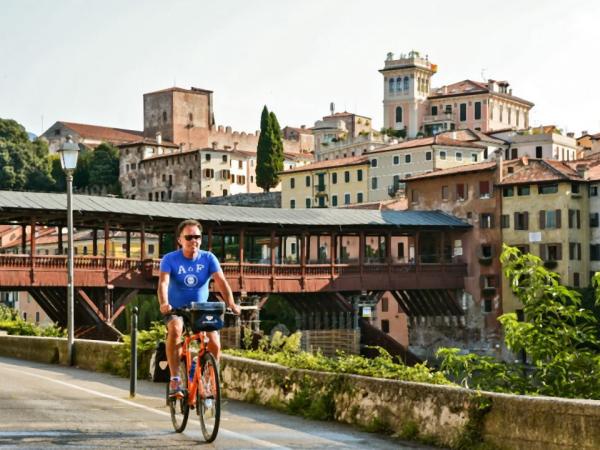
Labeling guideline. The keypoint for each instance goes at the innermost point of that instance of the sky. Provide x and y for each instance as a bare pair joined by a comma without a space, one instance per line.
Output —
91,61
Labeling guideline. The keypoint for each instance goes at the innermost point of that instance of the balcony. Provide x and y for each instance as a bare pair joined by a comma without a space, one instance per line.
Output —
320,188
437,118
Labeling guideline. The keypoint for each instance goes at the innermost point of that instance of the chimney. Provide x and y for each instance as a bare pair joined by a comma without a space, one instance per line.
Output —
582,170
303,127
235,144
159,138
214,145
584,132
570,134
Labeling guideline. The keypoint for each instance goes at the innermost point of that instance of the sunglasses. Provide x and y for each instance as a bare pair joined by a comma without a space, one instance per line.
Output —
189,237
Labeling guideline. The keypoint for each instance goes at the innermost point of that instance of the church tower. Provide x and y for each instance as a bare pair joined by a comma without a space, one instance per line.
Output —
406,86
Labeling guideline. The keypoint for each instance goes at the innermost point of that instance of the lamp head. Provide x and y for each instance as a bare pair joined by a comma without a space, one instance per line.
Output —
69,151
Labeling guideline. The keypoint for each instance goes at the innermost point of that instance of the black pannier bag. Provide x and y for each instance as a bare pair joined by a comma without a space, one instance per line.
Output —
207,316
159,367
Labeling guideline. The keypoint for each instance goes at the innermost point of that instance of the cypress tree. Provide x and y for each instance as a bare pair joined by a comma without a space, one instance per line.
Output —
269,157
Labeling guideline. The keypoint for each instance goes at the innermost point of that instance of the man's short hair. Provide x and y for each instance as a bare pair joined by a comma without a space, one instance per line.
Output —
188,223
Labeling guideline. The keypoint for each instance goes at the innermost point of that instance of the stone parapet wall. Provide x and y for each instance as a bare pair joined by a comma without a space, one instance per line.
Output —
257,200
441,414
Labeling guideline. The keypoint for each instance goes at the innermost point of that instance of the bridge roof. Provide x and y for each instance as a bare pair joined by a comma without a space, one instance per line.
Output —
50,209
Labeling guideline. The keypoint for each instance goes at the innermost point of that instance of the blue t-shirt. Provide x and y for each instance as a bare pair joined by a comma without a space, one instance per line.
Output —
189,277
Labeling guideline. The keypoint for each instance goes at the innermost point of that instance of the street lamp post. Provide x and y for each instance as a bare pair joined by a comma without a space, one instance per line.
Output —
69,151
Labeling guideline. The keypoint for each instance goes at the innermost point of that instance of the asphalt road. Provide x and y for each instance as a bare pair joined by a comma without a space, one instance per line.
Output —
44,406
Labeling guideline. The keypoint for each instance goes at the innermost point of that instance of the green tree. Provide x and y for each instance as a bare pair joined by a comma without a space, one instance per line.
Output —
24,165
269,151
104,168
559,337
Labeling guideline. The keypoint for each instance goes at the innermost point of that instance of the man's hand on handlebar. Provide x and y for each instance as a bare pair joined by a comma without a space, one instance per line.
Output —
165,308
235,309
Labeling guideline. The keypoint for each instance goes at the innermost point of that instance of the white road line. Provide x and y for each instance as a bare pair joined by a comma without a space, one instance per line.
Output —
229,433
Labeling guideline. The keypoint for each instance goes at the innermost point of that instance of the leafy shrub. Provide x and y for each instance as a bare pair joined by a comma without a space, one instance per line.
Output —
15,325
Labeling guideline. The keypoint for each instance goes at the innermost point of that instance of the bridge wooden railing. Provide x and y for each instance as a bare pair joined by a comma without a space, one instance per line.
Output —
241,272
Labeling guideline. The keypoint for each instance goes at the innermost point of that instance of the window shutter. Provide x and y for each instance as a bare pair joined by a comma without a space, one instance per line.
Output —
542,220
526,220
516,222
579,251
559,252
492,220
558,218
543,251
570,218
481,281
578,219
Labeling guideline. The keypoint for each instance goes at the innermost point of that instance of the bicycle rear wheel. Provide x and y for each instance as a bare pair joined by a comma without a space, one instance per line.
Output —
209,407
178,406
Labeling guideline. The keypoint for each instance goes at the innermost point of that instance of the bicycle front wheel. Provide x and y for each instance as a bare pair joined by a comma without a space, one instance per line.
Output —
209,398
178,406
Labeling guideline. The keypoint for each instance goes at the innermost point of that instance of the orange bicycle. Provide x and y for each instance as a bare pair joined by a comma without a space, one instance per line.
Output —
198,370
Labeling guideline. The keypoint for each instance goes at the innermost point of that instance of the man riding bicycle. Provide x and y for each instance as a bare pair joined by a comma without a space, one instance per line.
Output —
184,278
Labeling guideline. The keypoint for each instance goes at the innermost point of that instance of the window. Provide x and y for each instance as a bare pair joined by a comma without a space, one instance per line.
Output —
595,252
209,173
547,189
461,191
133,183
359,175
225,174
477,110
164,116
414,196
593,191
575,188
538,151
576,280
292,183
505,221
522,220
594,220
374,183
445,193
359,197
150,196
550,219
207,157
574,218
551,252
384,304
292,203
241,179
190,173
307,180
474,157
486,251
434,110
463,112
406,83
484,189
374,162
508,191
392,85
574,251
334,201
407,159
208,194
486,220
346,199
396,160
458,156
241,164
225,158
442,155
224,192
523,190
347,176
514,153
385,326
448,109
427,156
307,202
398,114
334,178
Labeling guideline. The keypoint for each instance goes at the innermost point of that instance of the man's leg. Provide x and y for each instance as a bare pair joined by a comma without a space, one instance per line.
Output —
174,331
214,344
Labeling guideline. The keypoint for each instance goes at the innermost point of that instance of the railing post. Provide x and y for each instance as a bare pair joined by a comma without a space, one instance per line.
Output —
241,256
333,250
133,358
32,248
303,260
272,260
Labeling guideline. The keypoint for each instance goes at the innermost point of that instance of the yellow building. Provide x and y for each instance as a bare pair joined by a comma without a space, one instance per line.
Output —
326,184
545,212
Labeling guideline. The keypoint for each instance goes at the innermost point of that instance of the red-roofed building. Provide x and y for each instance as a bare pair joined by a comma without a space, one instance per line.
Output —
89,136
410,104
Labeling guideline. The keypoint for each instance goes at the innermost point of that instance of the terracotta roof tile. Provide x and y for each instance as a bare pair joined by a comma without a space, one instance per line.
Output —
469,87
539,170
428,141
115,135
146,141
341,162
468,168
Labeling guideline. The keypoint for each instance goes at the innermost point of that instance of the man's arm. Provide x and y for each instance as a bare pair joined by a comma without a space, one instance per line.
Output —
163,292
224,289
